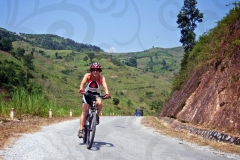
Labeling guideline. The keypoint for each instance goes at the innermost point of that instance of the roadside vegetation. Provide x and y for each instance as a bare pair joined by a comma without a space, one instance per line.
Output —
36,76
49,79
136,80
209,47
28,105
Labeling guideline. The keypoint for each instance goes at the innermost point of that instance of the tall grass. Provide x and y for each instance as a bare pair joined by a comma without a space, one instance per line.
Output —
26,104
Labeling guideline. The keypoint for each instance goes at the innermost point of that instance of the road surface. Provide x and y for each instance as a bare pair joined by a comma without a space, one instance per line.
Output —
116,138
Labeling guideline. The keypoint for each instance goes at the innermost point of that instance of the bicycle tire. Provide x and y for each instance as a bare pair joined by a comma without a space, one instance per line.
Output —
92,130
85,131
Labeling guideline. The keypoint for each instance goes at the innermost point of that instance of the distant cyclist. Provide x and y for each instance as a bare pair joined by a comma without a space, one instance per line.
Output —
93,81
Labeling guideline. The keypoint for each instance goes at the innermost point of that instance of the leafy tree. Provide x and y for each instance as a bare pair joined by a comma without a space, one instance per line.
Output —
116,101
187,19
28,61
151,59
22,78
164,63
149,94
29,75
156,105
132,62
85,58
13,75
20,52
56,55
129,103
236,4
116,62
91,55
42,52
6,44
4,77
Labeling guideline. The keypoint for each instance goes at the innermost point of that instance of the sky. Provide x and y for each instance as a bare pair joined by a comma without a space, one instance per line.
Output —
116,26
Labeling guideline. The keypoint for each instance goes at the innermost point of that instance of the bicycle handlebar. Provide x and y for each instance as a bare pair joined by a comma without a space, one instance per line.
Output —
94,96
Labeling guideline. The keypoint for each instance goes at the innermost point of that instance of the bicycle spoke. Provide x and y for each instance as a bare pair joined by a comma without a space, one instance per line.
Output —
92,130
90,126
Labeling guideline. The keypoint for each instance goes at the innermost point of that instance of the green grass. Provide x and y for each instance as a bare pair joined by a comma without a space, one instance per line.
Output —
32,105
60,79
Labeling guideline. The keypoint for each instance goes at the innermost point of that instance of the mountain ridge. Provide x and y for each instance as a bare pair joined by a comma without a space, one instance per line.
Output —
65,68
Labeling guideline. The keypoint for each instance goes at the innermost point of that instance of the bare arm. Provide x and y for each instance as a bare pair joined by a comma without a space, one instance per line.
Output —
104,84
84,80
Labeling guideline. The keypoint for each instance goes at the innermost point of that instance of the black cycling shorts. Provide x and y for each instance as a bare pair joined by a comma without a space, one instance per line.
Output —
87,99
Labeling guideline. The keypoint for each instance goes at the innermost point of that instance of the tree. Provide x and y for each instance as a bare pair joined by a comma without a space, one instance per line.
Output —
132,62
164,63
28,61
156,105
187,19
20,52
22,78
6,44
116,101
41,52
56,55
149,94
85,58
129,103
91,55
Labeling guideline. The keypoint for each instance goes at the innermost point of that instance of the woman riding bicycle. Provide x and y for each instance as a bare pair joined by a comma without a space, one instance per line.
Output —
93,81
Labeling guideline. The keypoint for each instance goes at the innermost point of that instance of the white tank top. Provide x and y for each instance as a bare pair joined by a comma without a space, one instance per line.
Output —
93,86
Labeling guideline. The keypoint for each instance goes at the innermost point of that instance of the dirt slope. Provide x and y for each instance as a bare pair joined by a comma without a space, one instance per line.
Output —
210,98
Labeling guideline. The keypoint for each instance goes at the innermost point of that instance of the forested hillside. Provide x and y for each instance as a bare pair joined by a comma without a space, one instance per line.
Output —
55,42
56,75
48,41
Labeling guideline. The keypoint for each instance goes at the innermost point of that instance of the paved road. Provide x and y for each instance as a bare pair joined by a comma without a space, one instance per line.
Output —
116,138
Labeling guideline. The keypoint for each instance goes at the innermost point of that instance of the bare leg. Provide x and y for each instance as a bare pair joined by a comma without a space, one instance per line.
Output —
99,106
83,115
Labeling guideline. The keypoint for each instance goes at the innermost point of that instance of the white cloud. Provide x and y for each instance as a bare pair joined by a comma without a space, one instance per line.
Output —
111,50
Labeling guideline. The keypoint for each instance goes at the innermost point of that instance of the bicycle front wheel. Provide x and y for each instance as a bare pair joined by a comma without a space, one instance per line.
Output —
85,130
91,130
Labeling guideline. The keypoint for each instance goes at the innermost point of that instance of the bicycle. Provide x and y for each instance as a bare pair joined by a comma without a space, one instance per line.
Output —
90,124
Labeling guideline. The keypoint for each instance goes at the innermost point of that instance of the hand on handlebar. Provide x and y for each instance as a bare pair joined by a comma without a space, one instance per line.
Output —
107,96
82,91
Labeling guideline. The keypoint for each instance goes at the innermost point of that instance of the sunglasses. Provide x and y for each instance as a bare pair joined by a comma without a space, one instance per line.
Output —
97,70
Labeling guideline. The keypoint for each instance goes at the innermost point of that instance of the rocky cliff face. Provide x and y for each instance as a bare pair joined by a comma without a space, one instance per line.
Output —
210,97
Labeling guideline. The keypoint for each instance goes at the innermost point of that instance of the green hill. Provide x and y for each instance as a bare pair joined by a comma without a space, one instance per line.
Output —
162,62
59,72
48,41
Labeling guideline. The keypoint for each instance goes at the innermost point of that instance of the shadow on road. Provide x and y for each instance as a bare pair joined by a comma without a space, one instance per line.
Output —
97,145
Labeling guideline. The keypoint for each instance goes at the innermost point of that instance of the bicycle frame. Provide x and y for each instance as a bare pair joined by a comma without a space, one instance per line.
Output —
90,124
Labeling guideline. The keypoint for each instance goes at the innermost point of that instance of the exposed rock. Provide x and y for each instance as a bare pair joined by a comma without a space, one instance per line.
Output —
210,97
213,135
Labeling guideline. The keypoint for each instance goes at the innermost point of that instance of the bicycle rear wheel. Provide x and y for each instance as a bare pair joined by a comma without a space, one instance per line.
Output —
91,130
